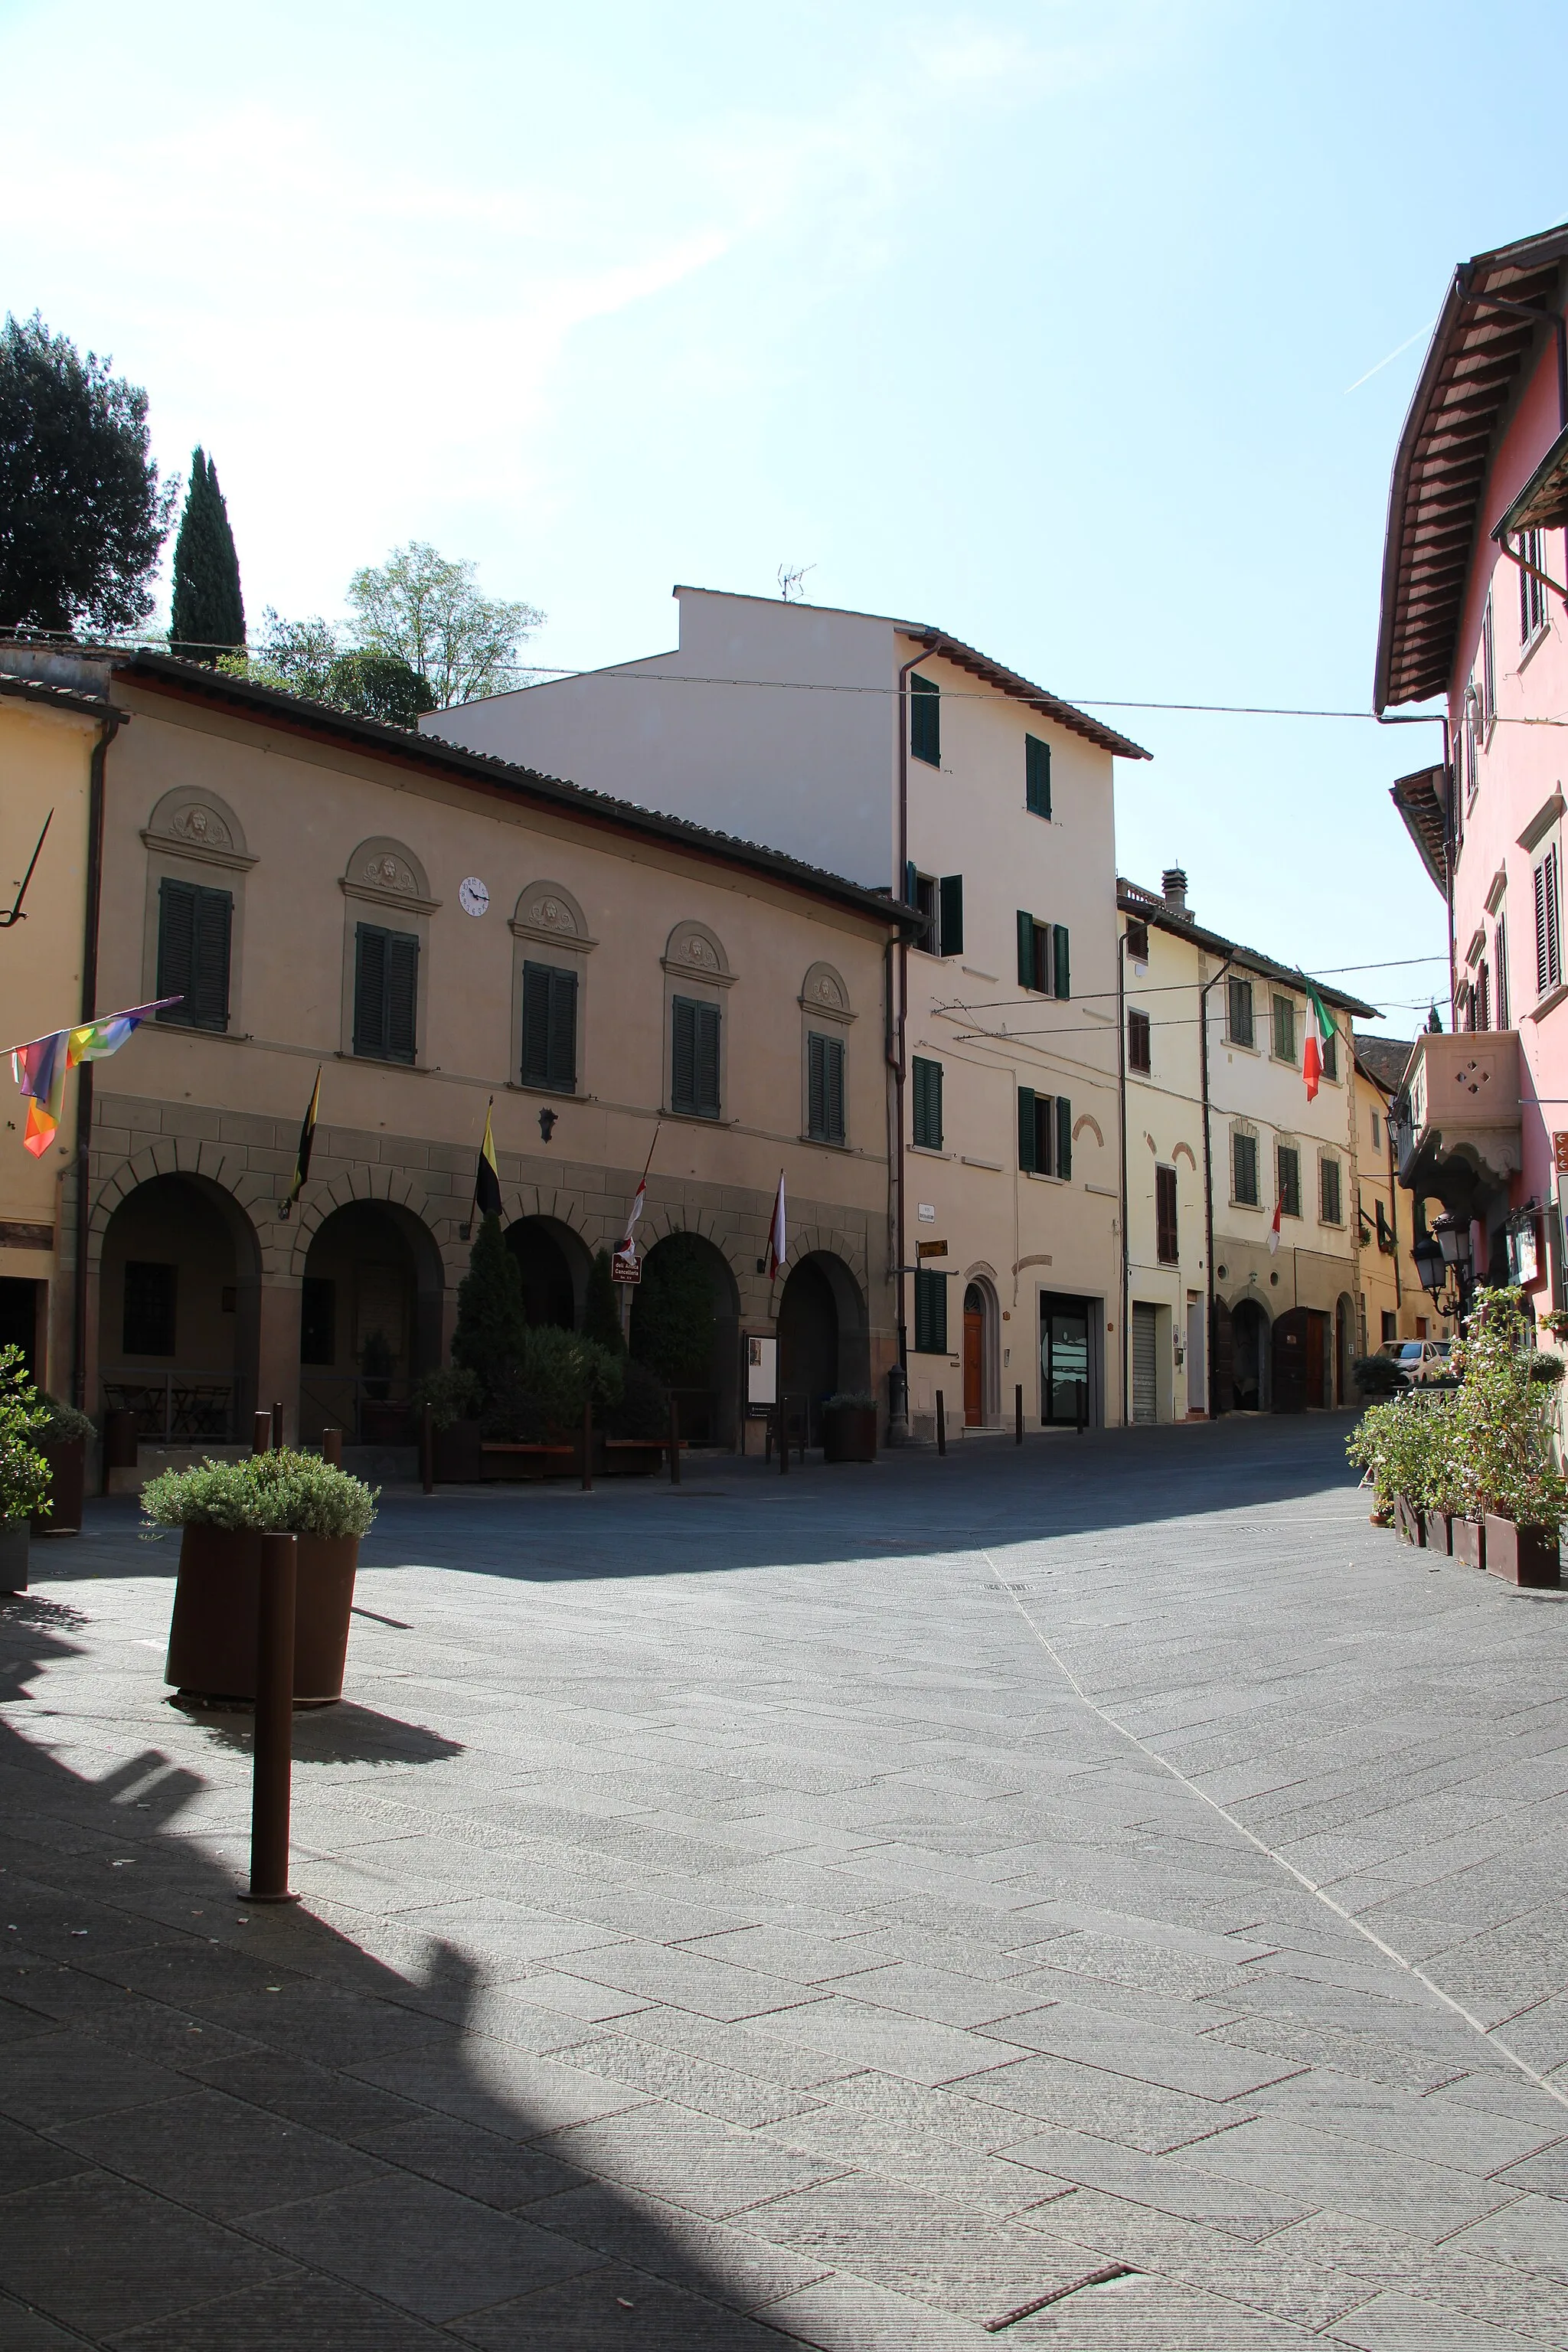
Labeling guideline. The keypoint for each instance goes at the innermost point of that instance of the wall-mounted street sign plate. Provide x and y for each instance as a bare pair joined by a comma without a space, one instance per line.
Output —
930,1249
626,1269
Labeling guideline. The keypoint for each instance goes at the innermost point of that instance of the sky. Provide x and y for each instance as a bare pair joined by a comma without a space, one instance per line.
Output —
1085,332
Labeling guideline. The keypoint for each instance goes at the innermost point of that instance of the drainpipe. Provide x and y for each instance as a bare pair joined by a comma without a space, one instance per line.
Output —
1393,1211
1121,1132
1208,1177
112,722
897,1042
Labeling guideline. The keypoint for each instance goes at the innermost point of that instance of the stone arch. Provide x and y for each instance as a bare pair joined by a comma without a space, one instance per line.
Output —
369,1181
370,1266
215,1164
1184,1151
1251,1353
553,1261
710,1410
1087,1124
980,1283
176,1267
822,1327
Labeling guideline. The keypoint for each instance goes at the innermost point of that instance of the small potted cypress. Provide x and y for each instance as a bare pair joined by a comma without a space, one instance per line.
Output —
223,1510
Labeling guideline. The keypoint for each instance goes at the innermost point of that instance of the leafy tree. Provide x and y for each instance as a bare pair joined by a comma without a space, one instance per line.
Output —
378,685
428,611
82,516
208,613
491,1330
295,656
602,1309
672,1314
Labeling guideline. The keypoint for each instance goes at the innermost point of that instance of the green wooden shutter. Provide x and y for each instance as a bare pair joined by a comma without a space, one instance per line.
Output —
1026,950
209,961
1063,1136
176,941
1063,964
707,1044
816,1088
563,1047
683,1054
951,941
369,989
1037,776
930,1313
927,1109
402,995
535,1024
834,1089
925,720
1026,1155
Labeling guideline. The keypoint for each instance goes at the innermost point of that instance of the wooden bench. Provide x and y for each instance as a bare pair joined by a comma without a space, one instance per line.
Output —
566,1455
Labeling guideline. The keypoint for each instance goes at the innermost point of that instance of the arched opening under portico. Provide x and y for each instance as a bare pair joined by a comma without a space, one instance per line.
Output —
370,1322
824,1340
179,1310
686,1326
554,1263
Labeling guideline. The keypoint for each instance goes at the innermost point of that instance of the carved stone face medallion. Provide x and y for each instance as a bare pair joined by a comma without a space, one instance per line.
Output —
695,949
549,914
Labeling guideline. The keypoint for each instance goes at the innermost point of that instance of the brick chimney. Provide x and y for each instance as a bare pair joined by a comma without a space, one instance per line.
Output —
1174,883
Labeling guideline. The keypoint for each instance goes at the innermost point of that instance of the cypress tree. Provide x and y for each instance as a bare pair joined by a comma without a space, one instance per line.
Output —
208,609
492,1328
601,1308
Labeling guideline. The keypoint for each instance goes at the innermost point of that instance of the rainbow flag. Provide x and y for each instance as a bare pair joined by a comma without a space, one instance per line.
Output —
40,1067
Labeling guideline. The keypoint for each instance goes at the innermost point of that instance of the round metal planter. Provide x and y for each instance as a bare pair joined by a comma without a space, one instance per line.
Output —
211,1637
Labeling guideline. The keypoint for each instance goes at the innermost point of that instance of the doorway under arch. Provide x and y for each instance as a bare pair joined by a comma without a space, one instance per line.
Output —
981,1356
1251,1387
370,1322
823,1338
554,1263
686,1326
179,1309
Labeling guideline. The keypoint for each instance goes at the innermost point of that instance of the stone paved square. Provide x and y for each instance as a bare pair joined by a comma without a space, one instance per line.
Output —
1105,1887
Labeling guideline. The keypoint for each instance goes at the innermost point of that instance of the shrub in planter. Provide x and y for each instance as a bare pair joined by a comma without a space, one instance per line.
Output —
453,1394
224,1509
1503,1421
1378,1376
562,1371
60,1433
850,1426
24,1473
643,1407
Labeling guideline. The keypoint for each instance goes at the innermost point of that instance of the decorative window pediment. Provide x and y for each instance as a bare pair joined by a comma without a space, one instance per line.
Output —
548,913
388,874
191,823
824,995
694,952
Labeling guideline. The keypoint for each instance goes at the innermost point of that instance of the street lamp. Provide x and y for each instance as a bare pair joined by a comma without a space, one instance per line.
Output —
1428,1253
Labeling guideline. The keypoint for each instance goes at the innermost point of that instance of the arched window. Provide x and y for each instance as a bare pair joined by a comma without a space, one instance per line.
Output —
388,907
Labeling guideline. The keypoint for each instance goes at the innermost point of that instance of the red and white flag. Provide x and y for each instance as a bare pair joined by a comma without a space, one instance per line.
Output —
626,1247
1274,1231
778,1243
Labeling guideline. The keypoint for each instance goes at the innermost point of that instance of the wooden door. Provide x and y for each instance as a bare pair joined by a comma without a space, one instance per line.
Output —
973,1365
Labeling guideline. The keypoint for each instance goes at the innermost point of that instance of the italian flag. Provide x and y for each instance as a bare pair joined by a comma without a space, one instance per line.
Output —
1320,1029
1273,1232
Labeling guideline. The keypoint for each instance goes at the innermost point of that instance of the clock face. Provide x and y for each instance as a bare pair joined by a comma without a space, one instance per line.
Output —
472,895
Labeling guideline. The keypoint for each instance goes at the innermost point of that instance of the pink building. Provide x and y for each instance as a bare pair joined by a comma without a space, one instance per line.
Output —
1473,591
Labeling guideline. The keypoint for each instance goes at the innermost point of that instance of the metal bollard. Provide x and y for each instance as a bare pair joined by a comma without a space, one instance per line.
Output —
1018,1413
332,1447
941,1423
587,1445
277,1418
784,1439
261,1433
273,1760
427,1448
1082,1407
674,1443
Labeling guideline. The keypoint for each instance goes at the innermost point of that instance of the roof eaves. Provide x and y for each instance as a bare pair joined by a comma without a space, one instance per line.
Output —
435,755
1149,906
54,698
1420,802
1022,689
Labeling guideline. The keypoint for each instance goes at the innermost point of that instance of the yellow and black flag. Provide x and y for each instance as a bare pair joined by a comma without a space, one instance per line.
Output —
487,1176
302,1157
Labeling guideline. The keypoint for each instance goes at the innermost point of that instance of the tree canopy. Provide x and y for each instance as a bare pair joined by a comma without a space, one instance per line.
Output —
82,514
208,614
424,610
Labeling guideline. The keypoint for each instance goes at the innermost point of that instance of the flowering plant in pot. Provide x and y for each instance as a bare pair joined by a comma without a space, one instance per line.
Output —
24,1473
223,1510
850,1426
1503,1421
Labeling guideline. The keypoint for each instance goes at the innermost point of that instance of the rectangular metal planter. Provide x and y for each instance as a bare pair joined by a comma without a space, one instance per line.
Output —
1524,1556
1470,1543
1411,1527
13,1536
1440,1532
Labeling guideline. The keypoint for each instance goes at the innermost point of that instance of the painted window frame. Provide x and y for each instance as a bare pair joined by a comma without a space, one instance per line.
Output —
548,926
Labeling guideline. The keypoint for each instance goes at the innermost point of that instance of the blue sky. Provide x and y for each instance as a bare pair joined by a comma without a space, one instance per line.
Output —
1038,321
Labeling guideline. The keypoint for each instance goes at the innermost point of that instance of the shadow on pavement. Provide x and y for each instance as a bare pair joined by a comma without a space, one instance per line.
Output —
342,1734
222,2129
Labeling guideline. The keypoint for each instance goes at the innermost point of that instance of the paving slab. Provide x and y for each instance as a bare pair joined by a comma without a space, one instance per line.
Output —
725,1923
